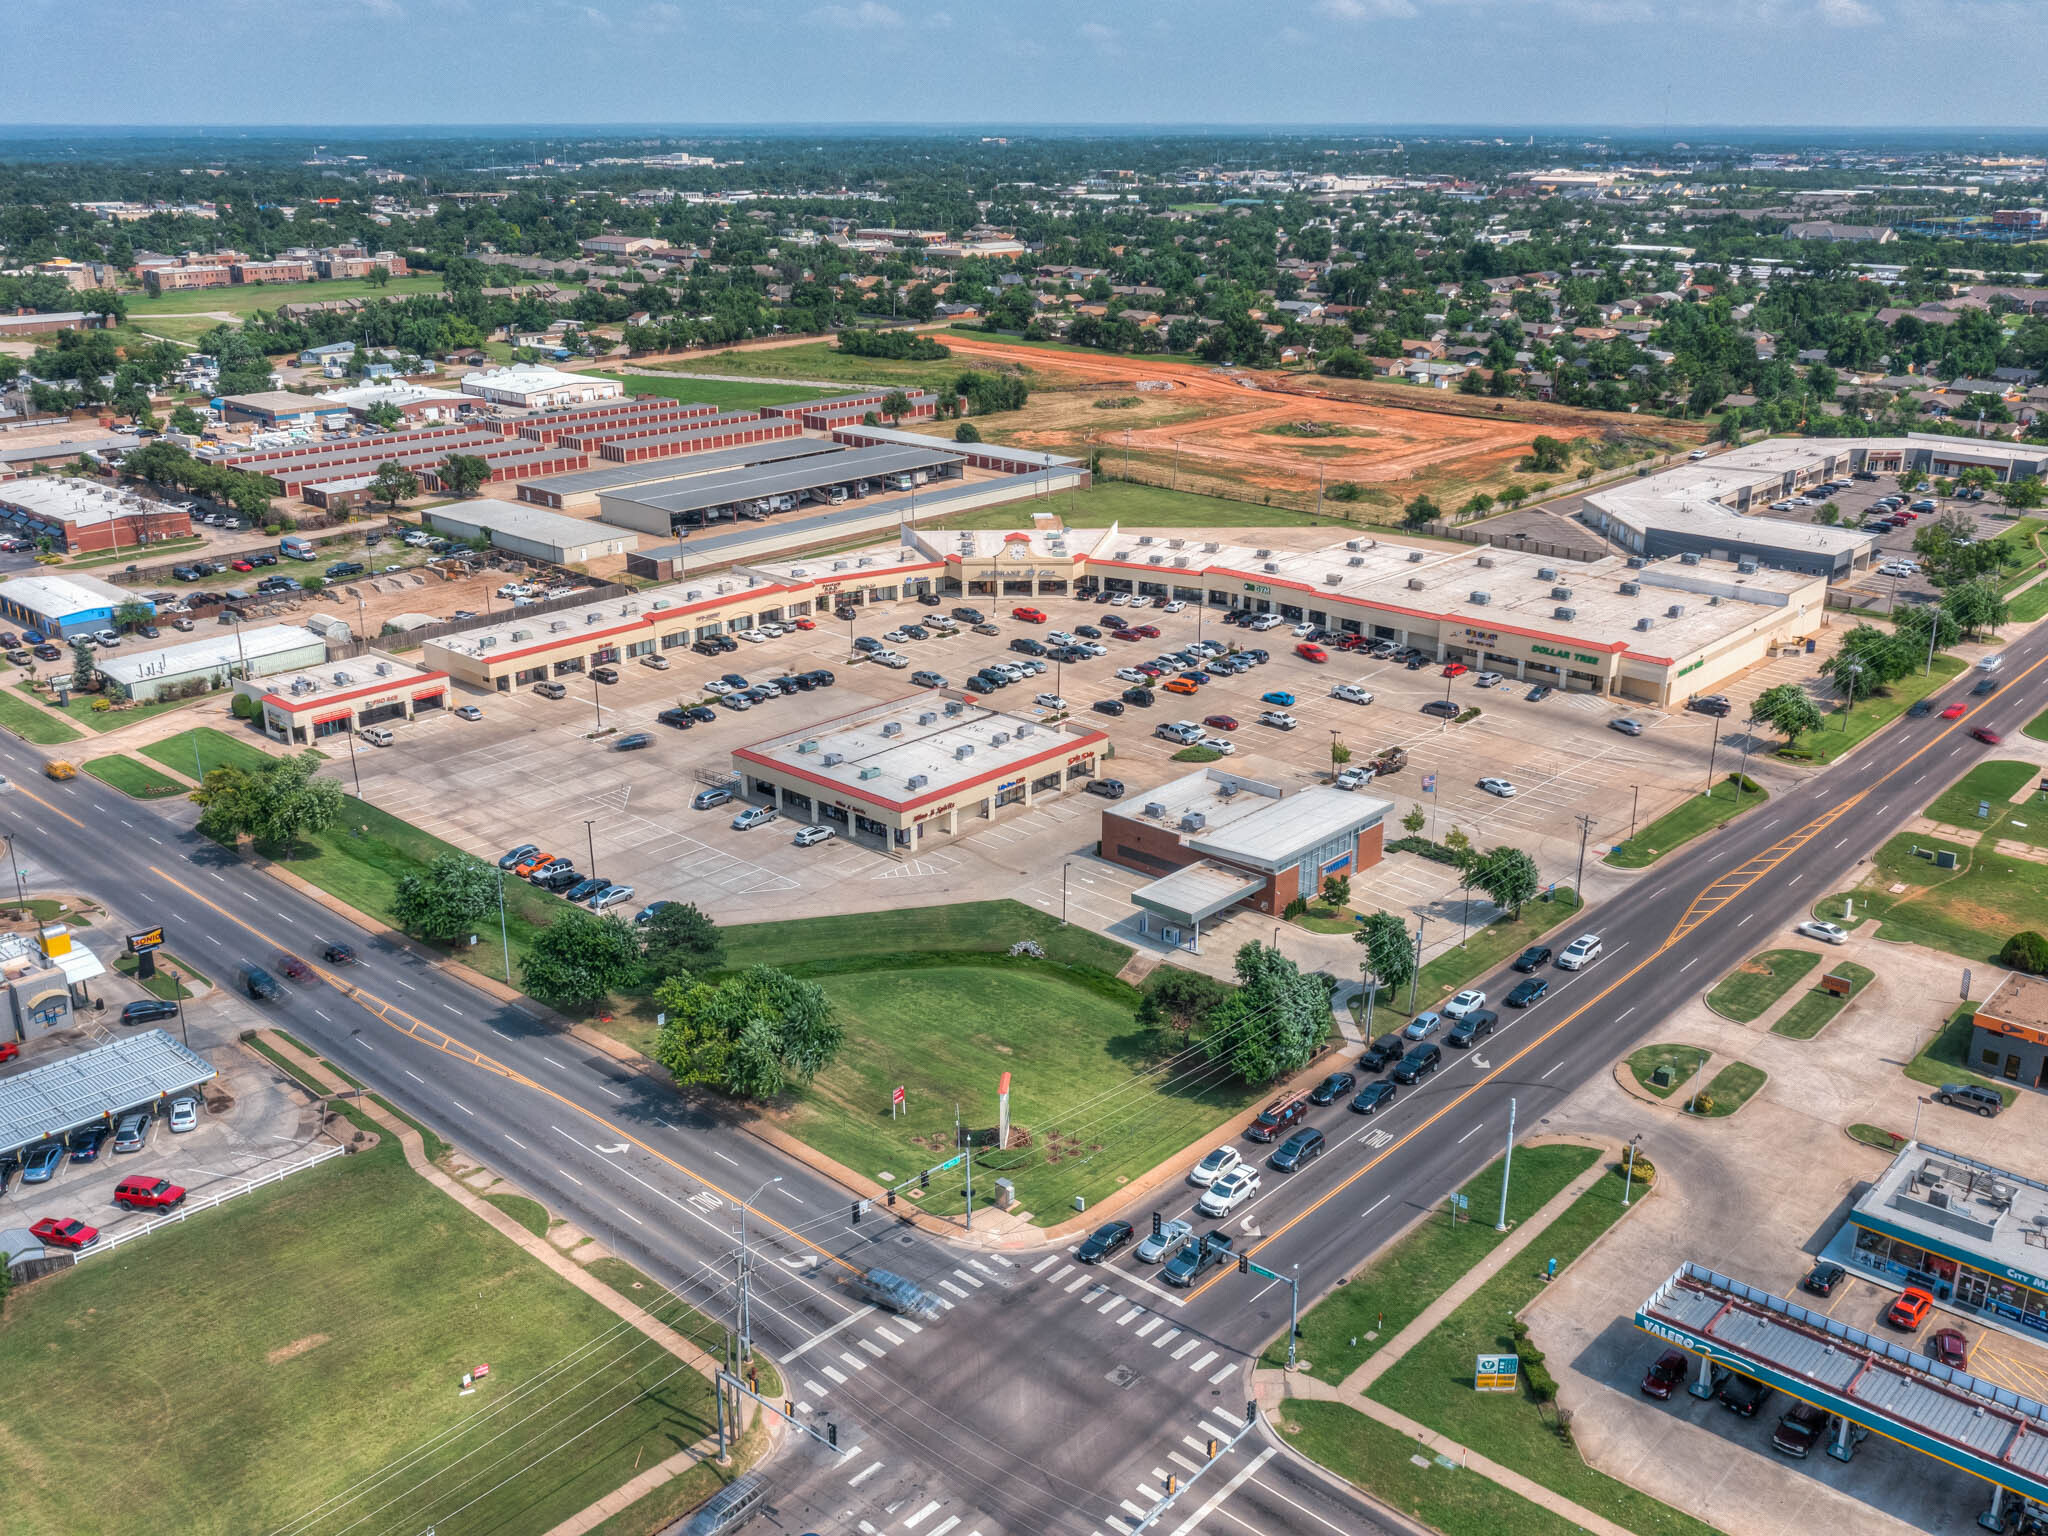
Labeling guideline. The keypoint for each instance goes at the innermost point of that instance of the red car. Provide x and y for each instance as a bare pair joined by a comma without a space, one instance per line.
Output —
9,1049
1954,712
803,624
1028,615
1911,1309
1988,736
1221,722
1125,634
1666,1375
1308,652
1456,669
66,1233
1352,642
139,1192
1146,631
243,565
1950,1348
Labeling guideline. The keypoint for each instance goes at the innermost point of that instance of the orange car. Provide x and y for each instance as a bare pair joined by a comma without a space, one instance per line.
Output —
1180,685
530,863
1911,1309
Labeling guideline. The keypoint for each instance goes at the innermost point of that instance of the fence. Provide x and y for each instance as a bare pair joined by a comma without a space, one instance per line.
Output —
110,1241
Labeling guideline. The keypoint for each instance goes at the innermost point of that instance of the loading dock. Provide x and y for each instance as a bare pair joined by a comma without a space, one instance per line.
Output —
758,492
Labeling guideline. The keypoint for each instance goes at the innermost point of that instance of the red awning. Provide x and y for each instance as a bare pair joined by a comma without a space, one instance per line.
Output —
431,693
330,719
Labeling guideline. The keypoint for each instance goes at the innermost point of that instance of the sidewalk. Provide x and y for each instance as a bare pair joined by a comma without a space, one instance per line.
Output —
1274,1387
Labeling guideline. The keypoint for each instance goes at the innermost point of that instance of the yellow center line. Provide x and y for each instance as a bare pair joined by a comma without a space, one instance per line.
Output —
418,1029
39,800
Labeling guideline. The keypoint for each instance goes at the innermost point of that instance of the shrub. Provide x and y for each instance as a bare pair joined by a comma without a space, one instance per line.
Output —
967,432
1744,783
2025,951
1542,1385
1346,490
1294,908
242,707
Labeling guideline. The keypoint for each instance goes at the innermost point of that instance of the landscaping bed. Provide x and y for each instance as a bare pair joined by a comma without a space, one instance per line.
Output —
1815,1011
1748,991
132,777
1683,1060
1733,1086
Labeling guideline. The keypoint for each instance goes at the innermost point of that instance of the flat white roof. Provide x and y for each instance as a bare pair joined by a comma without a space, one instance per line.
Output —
310,686
915,748
1249,821
56,596
535,378
363,396
216,653
524,520
60,499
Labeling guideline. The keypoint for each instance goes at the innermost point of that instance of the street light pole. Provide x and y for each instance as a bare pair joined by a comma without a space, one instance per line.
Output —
1064,869
1415,971
504,935
591,836
597,702
1635,799
1628,1182
746,1277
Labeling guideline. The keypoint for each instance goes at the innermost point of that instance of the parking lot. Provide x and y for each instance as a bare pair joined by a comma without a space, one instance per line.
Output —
528,770
1897,544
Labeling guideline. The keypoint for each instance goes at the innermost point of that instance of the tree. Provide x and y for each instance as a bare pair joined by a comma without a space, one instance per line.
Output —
681,938
1420,511
185,419
2025,951
967,432
1339,754
1273,1023
448,900
1547,455
1389,956
462,474
275,805
133,613
1336,891
1508,877
579,960
1787,710
384,414
1178,1002
393,483
1976,605
1909,624
1828,515
84,675
2025,493
753,1035
250,494
895,405
1414,821
1868,659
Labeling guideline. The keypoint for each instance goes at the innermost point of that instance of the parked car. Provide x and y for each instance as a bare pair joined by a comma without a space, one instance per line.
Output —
1911,1308
64,1232
1827,933
148,1010
1670,1371
1743,1395
1950,1347
141,1192
1104,1242
1501,788
809,836
42,1162
131,1131
716,795
551,690
1108,789
1279,696
1823,1278
1442,709
1986,1101
184,1115
1626,727
755,816
1799,1430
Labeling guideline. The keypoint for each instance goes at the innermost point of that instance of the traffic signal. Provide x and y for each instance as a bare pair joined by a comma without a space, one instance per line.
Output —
892,1199
924,1179
1155,1223
1244,1263
789,1408
832,1436
1172,1485
1212,1450
856,1213
1251,1411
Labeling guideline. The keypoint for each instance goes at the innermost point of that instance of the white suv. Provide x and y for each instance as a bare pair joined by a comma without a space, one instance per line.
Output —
1582,951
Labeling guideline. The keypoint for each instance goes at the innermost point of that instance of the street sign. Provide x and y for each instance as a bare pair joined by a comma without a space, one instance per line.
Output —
897,1097
1495,1373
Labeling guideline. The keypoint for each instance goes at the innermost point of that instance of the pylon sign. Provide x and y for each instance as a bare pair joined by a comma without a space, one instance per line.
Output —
1003,1112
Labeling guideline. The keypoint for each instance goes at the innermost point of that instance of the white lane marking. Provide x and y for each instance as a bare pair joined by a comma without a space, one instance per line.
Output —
1373,1207
1044,1264
838,1377
1745,918
515,1141
871,1347
1208,1358
321,1016
1231,1487
453,1009
945,1525
1695,960
1130,1317
213,941
1795,879
922,1515
602,1089
721,1156
1471,1133
550,1060
1223,1375
893,1338
463,1107
823,1334
947,1285
1546,1075
405,984
1166,1337
570,1177
498,1032
781,1191
414,1075
629,1216
864,1474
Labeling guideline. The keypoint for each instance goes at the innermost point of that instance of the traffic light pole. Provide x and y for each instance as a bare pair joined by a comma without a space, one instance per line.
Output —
1245,1266
786,1409
1175,1487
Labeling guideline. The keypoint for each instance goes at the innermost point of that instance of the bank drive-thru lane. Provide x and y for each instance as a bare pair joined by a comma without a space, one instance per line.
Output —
992,1414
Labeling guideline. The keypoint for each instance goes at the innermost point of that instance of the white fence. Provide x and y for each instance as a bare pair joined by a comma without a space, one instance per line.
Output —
109,1241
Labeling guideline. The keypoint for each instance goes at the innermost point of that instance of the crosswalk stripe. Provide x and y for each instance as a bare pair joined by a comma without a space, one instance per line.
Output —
947,1285
1112,1304
947,1305
922,1515
1044,1264
893,1338
977,1264
803,1405
876,1350
1182,1462
1203,1363
1126,1320
1094,1291
1166,1337
855,1361
1150,1324
906,1324
1060,1274
1133,1510
864,1474
838,1377
1190,1345
945,1525
1150,1494
1193,1444
977,1284
1223,1375
813,1388
1220,1434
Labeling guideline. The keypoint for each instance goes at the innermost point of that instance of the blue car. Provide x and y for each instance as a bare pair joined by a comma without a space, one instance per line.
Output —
1278,696
1423,1025
33,637
1534,990
1196,677
41,1165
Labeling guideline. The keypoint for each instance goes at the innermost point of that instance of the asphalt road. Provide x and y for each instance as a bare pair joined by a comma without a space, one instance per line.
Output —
1050,1397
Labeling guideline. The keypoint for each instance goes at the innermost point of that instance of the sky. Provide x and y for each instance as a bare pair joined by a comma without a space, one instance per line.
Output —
1640,63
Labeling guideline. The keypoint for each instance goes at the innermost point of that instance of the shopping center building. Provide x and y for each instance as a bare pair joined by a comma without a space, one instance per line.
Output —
921,770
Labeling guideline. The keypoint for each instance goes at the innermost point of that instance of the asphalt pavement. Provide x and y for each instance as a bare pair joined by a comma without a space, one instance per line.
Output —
1049,1397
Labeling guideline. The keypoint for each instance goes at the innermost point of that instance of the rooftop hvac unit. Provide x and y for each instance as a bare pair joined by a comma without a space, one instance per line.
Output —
1155,808
1689,559
1636,562
1353,544
1025,730
865,561
1675,611
1155,559
833,759
1144,538
929,717
1481,599
1631,588
592,618
1211,548
809,745
1176,543
1562,594
1194,821
1484,562
1414,556
1645,622
556,626
1564,613
1356,560
1181,561
870,773
797,570
723,586
1000,739
341,679
892,728
916,781
485,642
383,669
1122,554
1713,602
1546,573
962,753
626,608
838,565
522,634
693,594
1334,578
955,707
1261,553
1269,567
661,603
1746,565
1414,583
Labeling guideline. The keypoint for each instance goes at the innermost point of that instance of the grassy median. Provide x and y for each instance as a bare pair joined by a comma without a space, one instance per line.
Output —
1688,820
133,778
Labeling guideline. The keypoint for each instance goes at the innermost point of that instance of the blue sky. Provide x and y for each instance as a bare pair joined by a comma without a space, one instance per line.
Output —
1863,63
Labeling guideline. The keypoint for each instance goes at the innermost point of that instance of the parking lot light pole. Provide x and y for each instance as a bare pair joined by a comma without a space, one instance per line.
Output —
1635,792
1629,1179
1064,869
590,836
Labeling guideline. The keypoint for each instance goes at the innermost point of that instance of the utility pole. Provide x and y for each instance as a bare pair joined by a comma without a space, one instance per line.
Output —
1635,800
1415,972
1713,753
1064,870
1585,831
746,1277
346,731
1507,1167
504,936
590,836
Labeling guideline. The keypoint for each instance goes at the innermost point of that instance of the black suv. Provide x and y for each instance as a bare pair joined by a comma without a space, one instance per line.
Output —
1382,1053
1419,1063
1142,697
1986,1101
344,568
1298,1150
1476,1025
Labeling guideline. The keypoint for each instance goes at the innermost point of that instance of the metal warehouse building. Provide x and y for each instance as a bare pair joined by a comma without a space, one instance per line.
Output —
914,771
60,606
523,529
213,661
669,507
579,491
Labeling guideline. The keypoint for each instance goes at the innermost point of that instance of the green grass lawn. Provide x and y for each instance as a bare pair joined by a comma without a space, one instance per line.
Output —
1837,735
723,393
1683,1060
34,722
1376,1457
967,927
1676,827
530,1214
823,360
242,298
321,1329
1016,339
1197,755
1433,1382
132,555
2038,726
161,985
1484,949
132,777
80,708
1946,1058
1815,1011
1142,506
1394,1289
1732,1087
1996,780
1750,989
1090,1088
199,751
1970,910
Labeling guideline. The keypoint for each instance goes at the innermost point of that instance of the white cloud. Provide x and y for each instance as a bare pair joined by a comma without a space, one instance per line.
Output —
593,17
1846,13
1104,38
866,16
1363,10
661,16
